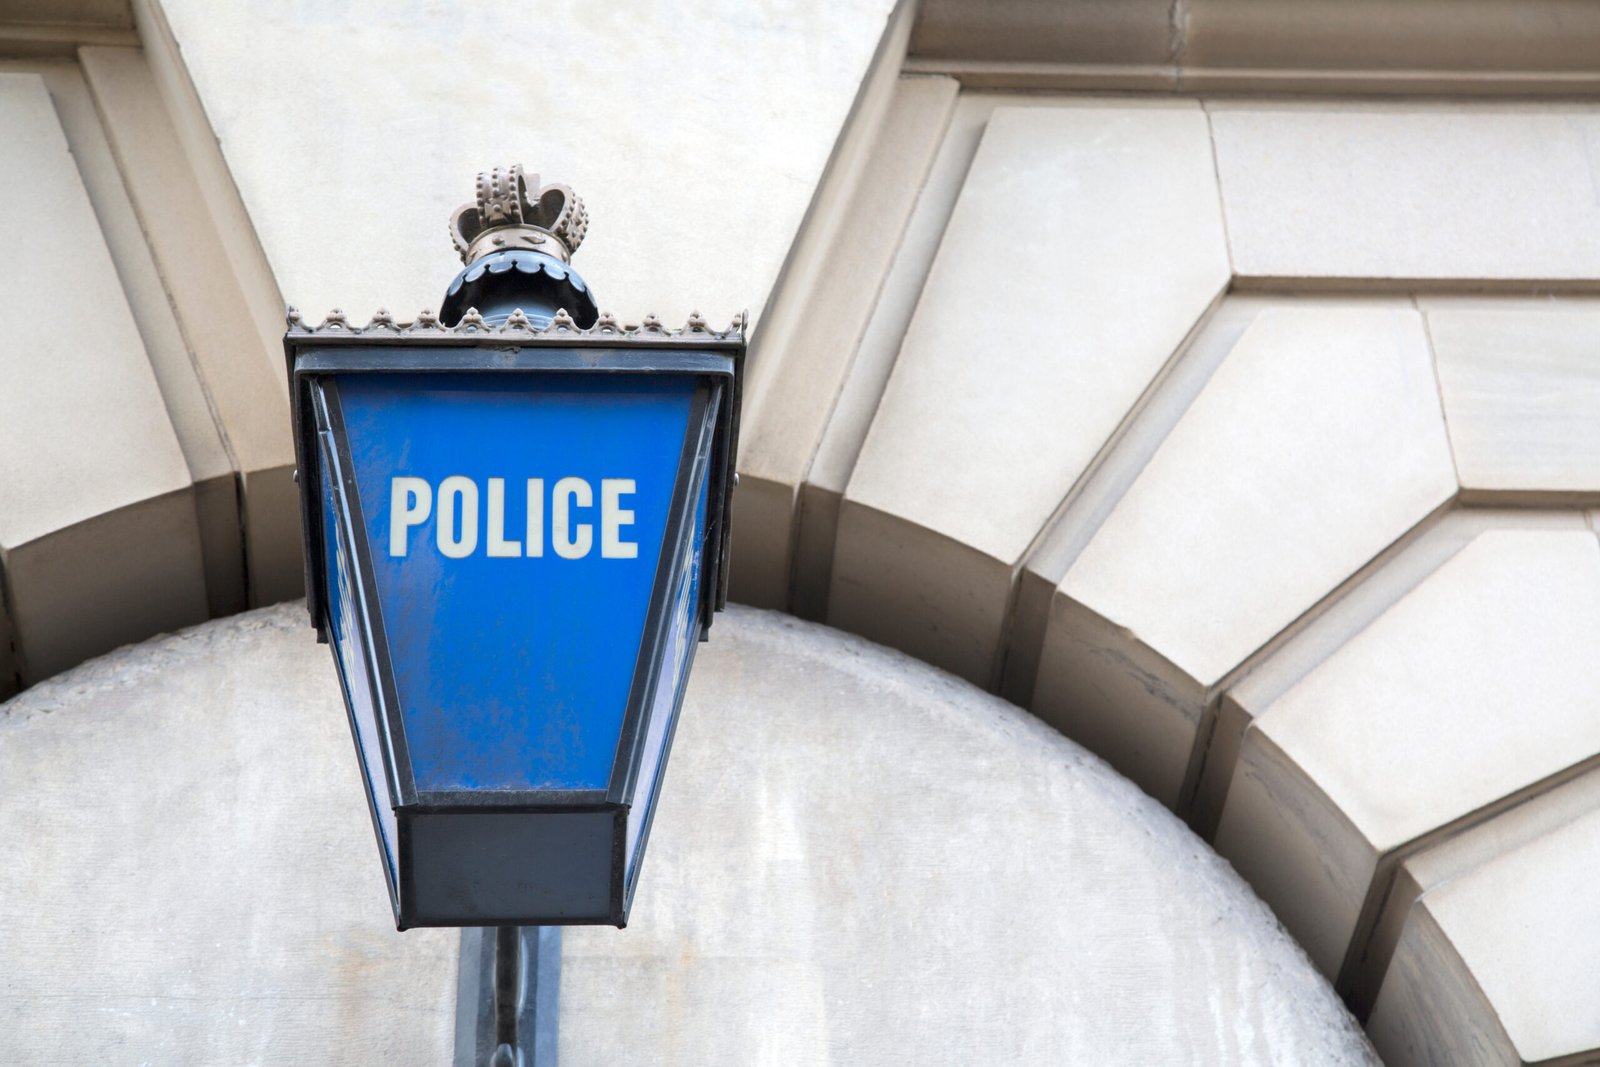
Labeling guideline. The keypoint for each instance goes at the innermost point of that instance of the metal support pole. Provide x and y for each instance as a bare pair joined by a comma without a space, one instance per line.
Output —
507,996
507,989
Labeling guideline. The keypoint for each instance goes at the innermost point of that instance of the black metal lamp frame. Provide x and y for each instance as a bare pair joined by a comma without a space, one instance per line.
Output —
316,358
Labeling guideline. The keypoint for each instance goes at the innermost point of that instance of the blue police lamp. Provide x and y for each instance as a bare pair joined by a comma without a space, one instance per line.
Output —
516,532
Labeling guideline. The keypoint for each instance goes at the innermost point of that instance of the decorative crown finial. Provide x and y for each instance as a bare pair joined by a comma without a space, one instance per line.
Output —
551,220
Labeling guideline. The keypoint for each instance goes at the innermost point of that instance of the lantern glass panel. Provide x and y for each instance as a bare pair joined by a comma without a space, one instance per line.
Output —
482,495
355,673
666,699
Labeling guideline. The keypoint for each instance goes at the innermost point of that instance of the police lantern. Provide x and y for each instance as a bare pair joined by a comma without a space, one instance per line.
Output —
516,531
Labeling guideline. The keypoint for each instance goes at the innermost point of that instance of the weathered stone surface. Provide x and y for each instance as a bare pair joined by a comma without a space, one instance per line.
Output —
894,304
191,866
187,402
1334,624
244,380
98,502
1499,959
1086,243
882,917
726,117
1477,684
1363,40
1522,394
1432,47
68,356
1067,536
1315,445
1412,190
1039,31
789,402
193,869
86,13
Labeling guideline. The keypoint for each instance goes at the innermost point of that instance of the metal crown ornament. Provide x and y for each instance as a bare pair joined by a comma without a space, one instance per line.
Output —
505,217
517,246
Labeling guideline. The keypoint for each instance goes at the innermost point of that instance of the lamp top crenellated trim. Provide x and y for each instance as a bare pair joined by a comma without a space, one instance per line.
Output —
472,328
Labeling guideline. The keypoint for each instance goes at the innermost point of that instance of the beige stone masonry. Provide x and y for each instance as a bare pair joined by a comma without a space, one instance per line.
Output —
53,30
1315,445
1111,478
1132,32
862,390
1498,960
188,407
1383,46
99,506
792,394
192,123
100,14
1350,610
695,134
776,417
1485,48
1287,661
1479,683
1522,394
243,384
1383,190
1021,362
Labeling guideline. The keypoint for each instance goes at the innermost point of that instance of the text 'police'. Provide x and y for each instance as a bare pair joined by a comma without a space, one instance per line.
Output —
412,500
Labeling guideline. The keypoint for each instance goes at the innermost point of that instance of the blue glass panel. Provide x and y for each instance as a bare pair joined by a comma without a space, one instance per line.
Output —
662,707
514,641
349,650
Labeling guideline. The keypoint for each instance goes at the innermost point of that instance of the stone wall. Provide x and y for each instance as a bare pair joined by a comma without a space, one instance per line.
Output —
1247,439
856,859
1251,443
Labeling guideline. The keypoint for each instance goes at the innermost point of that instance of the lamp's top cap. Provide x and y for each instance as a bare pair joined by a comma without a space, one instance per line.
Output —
512,212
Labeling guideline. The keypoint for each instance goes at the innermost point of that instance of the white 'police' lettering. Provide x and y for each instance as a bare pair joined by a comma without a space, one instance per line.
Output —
410,504
571,541
498,545
412,501
613,517
457,528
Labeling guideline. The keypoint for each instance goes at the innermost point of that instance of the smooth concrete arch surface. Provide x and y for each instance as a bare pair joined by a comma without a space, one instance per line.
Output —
858,860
